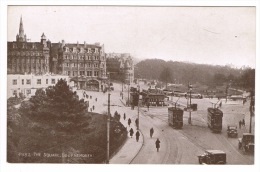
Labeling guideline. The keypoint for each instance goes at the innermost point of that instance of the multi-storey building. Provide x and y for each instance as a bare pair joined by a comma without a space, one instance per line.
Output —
28,84
84,63
120,66
27,57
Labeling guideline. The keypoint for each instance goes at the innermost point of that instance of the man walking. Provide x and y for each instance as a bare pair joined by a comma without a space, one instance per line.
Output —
151,132
157,143
131,131
124,116
137,134
129,121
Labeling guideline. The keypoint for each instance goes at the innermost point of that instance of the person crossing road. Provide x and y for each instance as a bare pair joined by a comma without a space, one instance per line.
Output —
151,132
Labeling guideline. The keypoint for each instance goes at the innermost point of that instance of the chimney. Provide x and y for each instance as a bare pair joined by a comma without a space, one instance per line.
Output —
62,43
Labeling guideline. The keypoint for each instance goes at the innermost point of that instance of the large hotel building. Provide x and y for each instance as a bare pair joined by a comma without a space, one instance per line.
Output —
85,64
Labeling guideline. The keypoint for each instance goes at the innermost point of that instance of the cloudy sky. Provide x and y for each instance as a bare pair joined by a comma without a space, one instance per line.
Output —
208,35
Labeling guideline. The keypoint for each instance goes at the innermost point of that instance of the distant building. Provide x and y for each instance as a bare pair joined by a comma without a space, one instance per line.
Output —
120,66
84,63
25,57
28,84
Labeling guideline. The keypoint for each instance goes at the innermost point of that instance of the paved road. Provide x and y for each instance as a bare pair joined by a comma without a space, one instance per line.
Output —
179,146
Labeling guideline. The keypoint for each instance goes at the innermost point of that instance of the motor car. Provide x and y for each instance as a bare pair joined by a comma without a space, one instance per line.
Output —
193,95
232,131
246,143
213,157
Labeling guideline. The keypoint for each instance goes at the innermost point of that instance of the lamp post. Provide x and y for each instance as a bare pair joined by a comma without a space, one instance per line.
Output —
108,119
77,69
190,88
128,90
138,103
251,111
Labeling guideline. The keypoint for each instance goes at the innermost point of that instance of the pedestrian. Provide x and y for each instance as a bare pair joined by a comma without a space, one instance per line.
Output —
151,132
148,106
157,143
129,121
131,131
137,134
243,122
124,116
93,107
220,104
90,97
136,122
240,124
96,99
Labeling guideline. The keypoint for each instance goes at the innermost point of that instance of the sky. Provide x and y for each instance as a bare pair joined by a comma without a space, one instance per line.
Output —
204,35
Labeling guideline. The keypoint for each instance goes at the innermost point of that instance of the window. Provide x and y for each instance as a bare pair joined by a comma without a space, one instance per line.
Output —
67,64
74,73
89,57
22,81
95,73
69,73
47,81
15,92
89,73
28,91
82,72
89,50
81,64
14,81
74,64
39,81
96,50
53,81
95,65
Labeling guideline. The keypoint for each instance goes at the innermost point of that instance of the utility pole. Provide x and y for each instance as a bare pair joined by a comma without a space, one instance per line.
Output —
77,69
108,120
190,88
251,111
138,103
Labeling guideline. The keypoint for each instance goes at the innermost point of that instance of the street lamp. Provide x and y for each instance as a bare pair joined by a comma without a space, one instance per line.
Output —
251,110
190,88
128,89
138,103
108,118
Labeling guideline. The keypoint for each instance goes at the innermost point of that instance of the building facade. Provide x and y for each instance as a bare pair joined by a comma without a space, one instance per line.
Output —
27,57
120,66
84,63
28,84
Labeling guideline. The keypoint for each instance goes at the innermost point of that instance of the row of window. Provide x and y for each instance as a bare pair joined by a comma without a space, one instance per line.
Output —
82,50
74,73
95,65
25,53
28,92
28,81
81,57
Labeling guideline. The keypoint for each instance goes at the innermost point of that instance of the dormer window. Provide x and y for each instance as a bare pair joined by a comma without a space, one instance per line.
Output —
89,50
96,50
67,49
74,49
81,50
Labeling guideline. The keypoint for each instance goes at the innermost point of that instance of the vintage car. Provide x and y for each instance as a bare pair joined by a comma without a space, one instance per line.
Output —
232,131
213,157
246,143
193,95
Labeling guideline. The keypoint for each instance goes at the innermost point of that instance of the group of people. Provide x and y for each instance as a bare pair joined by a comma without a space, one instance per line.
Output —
241,123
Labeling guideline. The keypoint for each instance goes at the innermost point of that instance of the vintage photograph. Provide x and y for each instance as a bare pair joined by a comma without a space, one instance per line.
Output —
131,84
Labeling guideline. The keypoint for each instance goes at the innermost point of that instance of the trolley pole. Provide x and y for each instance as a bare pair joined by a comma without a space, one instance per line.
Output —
251,112
190,88
108,122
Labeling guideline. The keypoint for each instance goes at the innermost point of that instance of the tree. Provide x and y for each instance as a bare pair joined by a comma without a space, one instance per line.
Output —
166,76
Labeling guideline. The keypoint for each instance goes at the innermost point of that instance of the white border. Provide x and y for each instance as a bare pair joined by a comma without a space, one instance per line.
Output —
6,167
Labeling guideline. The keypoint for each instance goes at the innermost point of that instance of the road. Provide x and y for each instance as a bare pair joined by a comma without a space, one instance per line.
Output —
180,146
